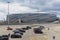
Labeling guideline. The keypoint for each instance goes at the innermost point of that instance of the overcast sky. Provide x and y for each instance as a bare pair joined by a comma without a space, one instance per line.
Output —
21,6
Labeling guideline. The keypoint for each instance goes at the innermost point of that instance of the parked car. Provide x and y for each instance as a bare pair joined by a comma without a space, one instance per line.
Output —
0,37
5,37
37,31
16,35
24,28
21,30
41,27
28,27
17,31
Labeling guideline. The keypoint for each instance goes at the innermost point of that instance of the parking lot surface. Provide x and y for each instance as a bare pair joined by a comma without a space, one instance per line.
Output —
54,30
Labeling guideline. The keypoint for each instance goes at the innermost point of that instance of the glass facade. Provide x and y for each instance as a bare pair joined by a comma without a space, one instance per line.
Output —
32,18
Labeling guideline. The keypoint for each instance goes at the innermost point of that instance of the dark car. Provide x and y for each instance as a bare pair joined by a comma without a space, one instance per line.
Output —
5,37
0,37
41,27
21,30
28,27
16,35
17,31
37,31
24,28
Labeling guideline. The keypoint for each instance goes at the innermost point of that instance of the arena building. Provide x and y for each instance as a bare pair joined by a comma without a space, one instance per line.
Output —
32,18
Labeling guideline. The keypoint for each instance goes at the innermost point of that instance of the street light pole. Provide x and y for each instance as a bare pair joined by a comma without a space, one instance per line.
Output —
8,14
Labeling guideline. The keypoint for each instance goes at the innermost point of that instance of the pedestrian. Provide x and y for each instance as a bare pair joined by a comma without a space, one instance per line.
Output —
53,37
48,28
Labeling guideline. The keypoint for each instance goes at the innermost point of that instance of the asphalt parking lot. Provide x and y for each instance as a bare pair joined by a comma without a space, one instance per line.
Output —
30,35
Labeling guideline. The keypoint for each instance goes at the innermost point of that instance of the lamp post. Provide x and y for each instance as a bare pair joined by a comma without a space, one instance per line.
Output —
8,13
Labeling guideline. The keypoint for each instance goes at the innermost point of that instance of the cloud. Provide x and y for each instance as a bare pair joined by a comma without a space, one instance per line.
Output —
2,16
42,5
14,8
17,8
21,6
5,1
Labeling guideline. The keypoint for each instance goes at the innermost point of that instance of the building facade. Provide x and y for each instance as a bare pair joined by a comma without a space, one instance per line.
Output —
32,18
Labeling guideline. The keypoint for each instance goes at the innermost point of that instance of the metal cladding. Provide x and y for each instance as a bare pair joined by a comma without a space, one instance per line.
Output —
32,18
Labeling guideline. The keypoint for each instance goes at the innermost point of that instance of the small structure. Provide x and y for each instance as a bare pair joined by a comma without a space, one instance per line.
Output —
8,28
